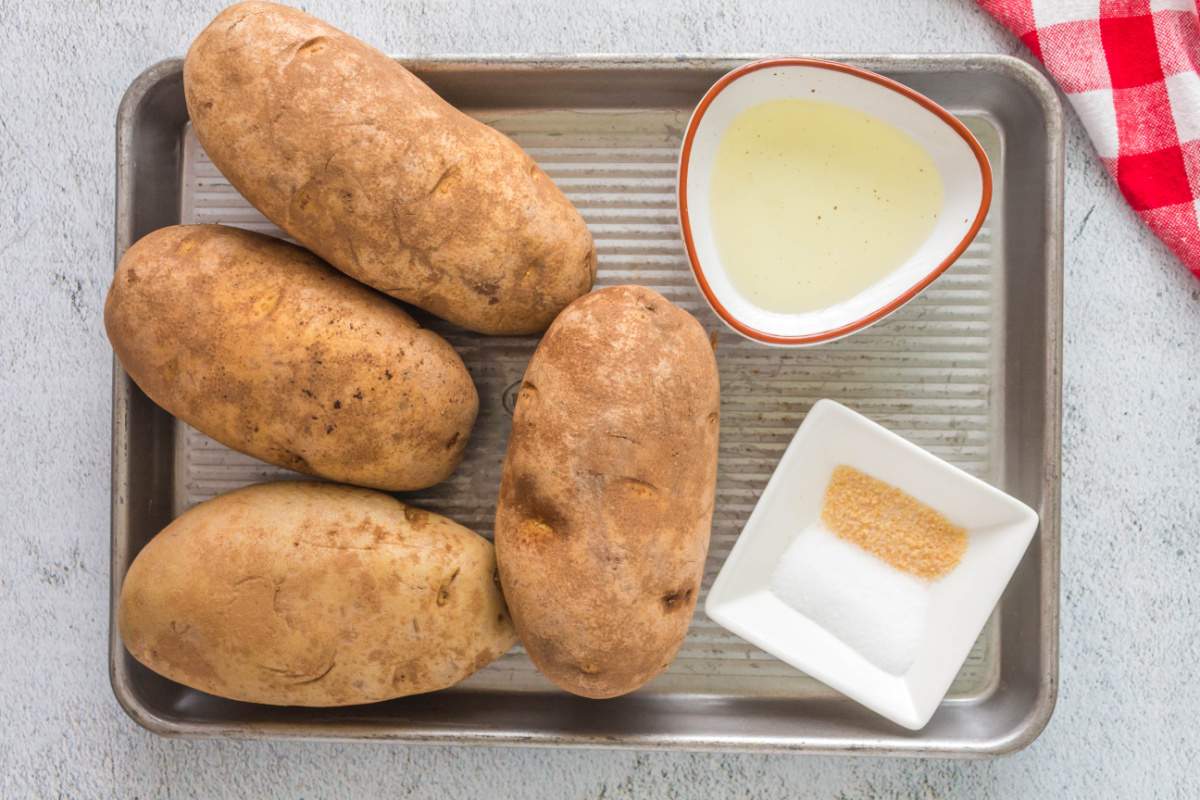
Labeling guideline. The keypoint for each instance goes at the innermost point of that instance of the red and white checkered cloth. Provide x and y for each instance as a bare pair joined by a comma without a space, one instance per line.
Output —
1129,67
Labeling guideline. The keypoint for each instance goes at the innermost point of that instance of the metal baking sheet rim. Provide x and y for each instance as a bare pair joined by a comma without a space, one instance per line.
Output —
1020,736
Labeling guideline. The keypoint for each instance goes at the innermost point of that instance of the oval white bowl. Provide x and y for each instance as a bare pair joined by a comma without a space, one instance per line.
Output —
963,166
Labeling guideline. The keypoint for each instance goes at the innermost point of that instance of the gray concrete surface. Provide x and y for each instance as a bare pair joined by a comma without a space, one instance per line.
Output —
1126,719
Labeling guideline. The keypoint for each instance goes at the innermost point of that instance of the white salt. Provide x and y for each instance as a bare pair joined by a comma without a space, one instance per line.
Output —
860,599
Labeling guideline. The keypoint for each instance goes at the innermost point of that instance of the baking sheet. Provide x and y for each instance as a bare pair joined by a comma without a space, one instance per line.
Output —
940,372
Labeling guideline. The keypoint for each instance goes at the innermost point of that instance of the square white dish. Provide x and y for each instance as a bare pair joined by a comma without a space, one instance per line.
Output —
999,528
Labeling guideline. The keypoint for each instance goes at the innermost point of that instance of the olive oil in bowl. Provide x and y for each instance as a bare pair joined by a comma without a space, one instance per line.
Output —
813,202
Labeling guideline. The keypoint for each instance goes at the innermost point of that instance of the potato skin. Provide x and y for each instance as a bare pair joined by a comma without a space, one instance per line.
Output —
606,498
312,594
362,163
261,346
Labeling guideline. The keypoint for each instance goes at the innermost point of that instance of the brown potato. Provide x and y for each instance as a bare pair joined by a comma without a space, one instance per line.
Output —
606,498
311,594
362,163
264,348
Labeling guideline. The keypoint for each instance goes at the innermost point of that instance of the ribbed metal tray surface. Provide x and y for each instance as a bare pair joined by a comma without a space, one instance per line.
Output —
927,372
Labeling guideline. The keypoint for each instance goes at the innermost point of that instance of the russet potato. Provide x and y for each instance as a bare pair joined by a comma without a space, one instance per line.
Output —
313,594
362,163
606,498
264,348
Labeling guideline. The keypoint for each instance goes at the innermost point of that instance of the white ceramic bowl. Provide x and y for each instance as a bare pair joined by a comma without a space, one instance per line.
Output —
999,529
961,162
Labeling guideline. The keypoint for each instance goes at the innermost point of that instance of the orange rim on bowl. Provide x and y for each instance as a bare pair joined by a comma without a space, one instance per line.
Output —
842,330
